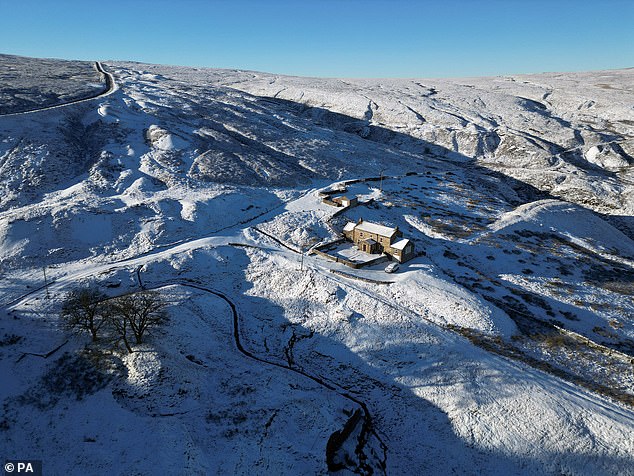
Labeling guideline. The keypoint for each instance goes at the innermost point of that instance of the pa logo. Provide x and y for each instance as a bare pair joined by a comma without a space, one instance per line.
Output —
31,467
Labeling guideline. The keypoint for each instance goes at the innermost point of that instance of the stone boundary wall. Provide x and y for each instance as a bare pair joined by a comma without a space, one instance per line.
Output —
322,250
359,278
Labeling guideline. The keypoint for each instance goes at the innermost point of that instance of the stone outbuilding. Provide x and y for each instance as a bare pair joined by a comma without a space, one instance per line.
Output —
402,250
345,201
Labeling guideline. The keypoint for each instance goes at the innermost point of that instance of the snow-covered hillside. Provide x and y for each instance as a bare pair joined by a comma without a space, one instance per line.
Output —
505,347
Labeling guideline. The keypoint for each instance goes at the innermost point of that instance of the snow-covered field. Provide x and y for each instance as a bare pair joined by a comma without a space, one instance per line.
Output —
505,347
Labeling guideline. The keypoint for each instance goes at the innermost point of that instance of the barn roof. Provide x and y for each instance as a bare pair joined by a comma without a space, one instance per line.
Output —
349,226
400,244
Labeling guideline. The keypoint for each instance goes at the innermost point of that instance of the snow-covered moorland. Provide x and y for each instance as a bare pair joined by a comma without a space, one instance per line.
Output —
505,347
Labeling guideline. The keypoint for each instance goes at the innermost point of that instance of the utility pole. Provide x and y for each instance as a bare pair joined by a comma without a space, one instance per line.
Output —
381,183
46,282
303,252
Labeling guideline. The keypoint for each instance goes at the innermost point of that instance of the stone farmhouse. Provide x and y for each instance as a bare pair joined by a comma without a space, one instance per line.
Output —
372,238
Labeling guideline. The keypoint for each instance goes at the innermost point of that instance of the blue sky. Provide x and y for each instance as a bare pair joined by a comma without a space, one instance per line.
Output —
345,38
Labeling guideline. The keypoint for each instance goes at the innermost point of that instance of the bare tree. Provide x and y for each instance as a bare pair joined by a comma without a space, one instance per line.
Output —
83,311
119,321
134,314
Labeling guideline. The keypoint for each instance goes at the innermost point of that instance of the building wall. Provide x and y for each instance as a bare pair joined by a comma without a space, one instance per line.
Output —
383,241
402,255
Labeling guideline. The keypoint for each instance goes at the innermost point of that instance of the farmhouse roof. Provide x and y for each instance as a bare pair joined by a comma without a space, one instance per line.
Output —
377,229
400,244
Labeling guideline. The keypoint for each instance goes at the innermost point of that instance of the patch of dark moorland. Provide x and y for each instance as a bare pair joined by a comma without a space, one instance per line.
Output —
31,83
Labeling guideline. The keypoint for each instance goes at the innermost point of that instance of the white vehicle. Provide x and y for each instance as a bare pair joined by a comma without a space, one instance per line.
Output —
391,268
